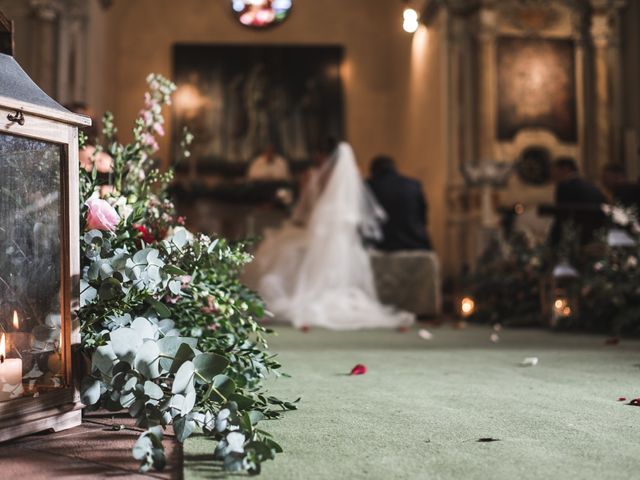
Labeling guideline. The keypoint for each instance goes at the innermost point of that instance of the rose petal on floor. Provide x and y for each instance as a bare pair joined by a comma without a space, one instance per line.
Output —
359,369
529,362
425,334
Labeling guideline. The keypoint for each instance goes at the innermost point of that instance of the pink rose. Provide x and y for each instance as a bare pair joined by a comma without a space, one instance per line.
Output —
90,157
101,215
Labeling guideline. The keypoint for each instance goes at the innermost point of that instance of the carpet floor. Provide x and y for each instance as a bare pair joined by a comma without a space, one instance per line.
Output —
422,407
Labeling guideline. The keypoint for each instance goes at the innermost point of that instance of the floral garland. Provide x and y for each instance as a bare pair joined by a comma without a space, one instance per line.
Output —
170,330
608,284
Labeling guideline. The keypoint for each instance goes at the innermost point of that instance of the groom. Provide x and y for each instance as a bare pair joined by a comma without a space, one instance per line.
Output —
406,207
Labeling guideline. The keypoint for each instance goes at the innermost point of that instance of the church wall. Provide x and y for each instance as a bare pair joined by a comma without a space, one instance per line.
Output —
425,131
140,36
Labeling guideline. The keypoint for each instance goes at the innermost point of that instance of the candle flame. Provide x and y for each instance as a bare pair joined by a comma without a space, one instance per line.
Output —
16,323
2,349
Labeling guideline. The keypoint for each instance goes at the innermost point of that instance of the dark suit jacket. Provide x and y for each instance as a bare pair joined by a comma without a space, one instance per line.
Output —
406,207
579,202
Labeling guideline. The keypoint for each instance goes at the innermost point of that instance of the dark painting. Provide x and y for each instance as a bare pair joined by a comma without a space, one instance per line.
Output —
536,87
238,99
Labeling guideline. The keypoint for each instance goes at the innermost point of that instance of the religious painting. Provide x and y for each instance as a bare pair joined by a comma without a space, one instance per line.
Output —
536,87
239,99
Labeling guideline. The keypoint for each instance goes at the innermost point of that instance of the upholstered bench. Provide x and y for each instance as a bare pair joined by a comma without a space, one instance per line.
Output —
408,280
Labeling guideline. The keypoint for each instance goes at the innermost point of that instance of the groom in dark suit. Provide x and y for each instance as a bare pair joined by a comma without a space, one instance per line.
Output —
405,205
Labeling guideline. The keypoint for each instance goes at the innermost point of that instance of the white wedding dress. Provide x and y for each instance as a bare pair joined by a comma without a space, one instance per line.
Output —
319,273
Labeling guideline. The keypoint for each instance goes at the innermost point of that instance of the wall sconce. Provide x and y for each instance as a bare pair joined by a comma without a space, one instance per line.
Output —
410,19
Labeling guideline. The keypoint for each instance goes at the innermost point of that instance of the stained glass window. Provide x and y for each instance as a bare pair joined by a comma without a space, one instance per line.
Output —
261,13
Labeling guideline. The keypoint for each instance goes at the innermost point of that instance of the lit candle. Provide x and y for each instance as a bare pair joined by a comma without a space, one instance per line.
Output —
18,341
10,372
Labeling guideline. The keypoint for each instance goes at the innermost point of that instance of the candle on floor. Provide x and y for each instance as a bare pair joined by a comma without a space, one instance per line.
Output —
10,372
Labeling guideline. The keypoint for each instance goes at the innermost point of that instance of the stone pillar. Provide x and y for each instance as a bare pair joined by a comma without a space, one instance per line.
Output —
487,81
607,87
584,89
43,48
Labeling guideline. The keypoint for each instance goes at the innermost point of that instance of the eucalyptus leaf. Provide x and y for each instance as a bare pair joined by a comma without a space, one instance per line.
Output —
145,328
147,359
175,287
208,365
183,380
185,353
125,343
184,427
90,391
103,359
224,385
169,347
153,391
159,307
173,270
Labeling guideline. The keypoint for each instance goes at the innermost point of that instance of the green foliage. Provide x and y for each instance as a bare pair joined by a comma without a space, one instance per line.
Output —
610,281
506,283
170,330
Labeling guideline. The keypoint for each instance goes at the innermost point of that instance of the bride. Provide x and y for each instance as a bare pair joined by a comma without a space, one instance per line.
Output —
315,271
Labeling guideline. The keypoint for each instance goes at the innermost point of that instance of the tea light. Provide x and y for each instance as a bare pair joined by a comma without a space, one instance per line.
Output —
10,372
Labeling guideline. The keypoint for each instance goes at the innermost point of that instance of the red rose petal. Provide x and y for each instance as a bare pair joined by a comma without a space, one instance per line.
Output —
635,402
359,369
305,328
622,399
612,341
403,329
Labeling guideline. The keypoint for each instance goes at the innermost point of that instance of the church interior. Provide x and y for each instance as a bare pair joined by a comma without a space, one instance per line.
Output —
494,334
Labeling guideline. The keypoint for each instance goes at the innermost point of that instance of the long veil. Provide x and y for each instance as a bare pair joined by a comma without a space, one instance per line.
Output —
331,281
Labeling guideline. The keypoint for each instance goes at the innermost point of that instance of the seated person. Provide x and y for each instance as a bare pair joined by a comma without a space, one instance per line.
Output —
620,191
269,166
577,200
405,205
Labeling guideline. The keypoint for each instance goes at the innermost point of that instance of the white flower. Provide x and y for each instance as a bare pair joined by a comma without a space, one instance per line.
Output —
122,207
173,231
617,214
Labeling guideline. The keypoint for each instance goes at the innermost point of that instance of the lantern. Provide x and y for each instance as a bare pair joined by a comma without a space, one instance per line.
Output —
39,256
562,300
466,306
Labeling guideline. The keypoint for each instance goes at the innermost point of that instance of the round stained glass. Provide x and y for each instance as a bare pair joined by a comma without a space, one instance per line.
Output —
261,13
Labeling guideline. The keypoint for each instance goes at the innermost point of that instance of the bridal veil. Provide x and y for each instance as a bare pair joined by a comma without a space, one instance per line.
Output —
320,274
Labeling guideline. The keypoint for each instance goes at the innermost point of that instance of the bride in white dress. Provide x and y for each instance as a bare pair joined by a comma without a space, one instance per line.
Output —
315,271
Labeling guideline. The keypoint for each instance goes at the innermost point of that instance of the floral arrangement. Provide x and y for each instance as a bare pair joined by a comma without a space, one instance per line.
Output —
170,331
507,280
610,281
506,283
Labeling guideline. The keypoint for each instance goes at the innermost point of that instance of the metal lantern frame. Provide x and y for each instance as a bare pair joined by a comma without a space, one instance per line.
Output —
26,111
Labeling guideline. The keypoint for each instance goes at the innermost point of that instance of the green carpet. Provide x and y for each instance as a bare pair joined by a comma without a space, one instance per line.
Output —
419,411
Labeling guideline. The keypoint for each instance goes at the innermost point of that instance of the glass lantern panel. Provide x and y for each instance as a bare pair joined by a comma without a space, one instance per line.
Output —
31,329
